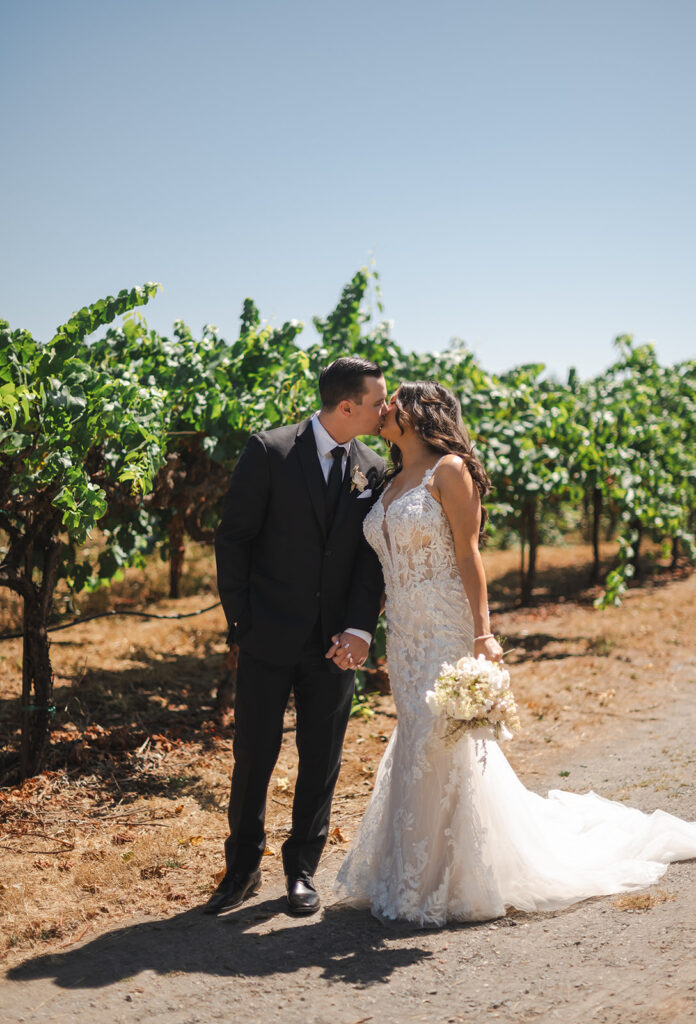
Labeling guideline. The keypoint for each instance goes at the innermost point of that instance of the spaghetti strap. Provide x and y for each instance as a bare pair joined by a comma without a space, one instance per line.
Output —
429,472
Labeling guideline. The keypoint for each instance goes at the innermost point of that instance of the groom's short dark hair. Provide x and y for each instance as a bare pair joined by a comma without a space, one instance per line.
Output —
345,378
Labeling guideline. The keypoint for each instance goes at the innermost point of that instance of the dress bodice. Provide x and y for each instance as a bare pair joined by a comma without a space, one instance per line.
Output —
414,543
428,616
412,538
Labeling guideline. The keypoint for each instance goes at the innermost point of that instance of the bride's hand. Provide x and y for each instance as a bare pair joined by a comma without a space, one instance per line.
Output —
348,651
489,648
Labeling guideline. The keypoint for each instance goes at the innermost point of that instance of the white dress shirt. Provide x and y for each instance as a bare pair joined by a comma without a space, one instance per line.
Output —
325,444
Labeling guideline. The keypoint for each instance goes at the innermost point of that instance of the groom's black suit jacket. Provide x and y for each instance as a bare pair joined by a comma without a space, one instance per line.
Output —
281,566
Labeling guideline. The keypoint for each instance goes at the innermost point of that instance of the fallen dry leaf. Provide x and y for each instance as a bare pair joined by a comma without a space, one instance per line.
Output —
154,871
190,841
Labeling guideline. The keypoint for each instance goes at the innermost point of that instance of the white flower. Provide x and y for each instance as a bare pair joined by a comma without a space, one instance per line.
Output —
474,694
358,480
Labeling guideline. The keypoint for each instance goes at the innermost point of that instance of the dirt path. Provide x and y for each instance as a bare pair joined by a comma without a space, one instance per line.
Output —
606,960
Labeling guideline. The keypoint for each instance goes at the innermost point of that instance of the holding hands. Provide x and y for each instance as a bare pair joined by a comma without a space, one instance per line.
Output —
348,651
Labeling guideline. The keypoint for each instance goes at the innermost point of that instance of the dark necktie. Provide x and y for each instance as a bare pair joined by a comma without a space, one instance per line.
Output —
333,488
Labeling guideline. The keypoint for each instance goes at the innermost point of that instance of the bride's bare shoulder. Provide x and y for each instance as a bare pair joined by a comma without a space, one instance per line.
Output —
451,478
452,472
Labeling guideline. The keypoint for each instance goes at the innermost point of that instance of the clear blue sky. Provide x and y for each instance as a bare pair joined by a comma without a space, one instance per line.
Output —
522,171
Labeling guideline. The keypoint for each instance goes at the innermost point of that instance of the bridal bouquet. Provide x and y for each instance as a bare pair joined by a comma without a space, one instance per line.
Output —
474,696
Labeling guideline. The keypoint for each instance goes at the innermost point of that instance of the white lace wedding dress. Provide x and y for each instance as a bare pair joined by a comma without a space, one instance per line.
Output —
445,837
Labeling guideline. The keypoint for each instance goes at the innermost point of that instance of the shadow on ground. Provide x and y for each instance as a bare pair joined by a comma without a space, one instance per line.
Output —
111,713
573,583
347,944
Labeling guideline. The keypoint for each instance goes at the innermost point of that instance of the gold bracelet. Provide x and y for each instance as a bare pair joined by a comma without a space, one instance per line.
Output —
485,636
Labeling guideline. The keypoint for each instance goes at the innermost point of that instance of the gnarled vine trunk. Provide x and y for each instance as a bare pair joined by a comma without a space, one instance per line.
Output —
675,553
635,560
177,552
529,537
596,517
37,708
37,690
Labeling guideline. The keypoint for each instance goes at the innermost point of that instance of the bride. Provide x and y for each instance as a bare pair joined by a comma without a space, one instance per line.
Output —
448,835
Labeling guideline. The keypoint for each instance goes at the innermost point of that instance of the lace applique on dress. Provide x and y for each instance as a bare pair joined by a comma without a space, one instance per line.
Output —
428,621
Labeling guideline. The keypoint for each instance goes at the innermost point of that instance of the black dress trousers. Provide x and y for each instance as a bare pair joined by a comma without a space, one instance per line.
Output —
322,701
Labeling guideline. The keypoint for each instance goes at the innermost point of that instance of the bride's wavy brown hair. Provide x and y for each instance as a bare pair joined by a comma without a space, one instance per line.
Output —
434,413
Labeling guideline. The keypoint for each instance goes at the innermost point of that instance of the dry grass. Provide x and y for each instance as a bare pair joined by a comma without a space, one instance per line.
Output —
129,817
642,900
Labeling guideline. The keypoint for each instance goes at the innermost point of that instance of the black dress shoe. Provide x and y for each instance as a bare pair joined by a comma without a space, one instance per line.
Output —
302,896
232,891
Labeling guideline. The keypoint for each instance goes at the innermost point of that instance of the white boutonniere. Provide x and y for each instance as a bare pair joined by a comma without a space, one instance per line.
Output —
358,480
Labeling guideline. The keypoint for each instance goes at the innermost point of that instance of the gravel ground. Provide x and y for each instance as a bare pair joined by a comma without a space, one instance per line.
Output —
629,961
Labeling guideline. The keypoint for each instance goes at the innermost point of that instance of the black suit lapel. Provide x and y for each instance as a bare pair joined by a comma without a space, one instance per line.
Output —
309,460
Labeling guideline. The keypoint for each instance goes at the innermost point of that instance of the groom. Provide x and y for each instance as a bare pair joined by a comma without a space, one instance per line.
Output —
301,590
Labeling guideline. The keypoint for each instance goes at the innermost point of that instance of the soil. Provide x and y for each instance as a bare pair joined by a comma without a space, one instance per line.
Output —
108,855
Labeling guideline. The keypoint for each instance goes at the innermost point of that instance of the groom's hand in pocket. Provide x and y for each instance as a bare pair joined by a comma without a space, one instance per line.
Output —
348,651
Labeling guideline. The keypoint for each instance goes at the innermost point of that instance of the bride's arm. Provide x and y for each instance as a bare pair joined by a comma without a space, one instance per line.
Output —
460,499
